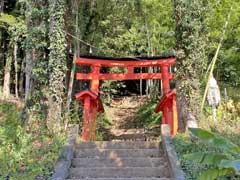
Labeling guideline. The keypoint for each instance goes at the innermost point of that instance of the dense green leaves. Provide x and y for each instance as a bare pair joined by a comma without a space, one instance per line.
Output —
57,63
210,158
224,162
215,140
6,18
191,51
227,69
25,154
213,174
233,164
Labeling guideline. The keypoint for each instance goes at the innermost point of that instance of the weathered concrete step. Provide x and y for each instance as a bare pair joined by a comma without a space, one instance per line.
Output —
127,131
130,137
137,172
116,153
118,145
121,179
118,162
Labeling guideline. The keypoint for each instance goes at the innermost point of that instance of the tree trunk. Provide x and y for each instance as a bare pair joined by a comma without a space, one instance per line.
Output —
2,45
191,43
28,72
28,59
57,64
16,69
1,6
21,78
76,54
185,116
7,77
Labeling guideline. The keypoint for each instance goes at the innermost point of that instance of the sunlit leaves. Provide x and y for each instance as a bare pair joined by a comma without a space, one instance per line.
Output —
224,162
210,158
215,140
6,18
214,173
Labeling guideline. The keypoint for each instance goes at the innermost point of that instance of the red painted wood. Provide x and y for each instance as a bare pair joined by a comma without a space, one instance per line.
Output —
83,94
93,97
93,116
92,103
121,76
140,63
95,79
165,79
86,119
130,70
168,106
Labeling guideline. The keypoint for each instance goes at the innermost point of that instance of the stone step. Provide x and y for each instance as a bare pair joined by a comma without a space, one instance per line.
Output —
126,172
127,131
121,179
118,162
116,153
130,137
118,145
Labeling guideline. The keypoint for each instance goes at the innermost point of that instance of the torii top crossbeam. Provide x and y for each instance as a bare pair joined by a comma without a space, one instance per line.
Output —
130,64
124,62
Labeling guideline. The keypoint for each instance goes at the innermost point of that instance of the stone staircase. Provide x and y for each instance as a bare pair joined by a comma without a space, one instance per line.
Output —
131,152
119,160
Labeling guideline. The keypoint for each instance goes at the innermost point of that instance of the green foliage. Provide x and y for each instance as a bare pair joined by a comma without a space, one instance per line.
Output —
215,140
25,154
149,31
227,69
112,87
103,125
227,117
214,173
57,63
191,46
210,158
224,160
8,19
146,117
183,146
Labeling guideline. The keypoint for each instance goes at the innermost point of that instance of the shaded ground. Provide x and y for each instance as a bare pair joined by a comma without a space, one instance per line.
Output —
132,118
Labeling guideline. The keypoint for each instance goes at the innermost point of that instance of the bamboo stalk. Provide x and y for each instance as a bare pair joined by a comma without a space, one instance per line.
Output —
214,60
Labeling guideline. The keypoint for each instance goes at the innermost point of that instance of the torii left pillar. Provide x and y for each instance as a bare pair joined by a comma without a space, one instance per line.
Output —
91,105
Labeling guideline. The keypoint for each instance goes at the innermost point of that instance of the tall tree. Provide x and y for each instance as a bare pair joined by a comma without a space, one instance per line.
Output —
29,51
57,63
76,44
190,49
8,50
7,75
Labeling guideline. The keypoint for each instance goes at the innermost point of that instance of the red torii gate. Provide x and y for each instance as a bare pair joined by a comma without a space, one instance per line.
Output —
92,103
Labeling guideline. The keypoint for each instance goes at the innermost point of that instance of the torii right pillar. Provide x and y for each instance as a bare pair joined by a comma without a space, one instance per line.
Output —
167,103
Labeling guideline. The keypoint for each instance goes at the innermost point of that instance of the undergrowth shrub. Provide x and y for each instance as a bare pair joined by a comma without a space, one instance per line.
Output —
222,156
26,153
146,117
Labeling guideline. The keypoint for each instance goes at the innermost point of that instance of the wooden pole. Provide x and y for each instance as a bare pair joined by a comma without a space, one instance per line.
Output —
215,58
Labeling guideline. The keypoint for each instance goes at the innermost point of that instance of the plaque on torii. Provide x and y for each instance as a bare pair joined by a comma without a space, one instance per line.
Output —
90,98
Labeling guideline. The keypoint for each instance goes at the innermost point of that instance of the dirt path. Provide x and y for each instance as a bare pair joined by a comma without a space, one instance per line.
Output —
122,113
